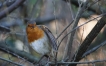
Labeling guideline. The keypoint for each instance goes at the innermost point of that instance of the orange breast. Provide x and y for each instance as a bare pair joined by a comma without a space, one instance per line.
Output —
34,33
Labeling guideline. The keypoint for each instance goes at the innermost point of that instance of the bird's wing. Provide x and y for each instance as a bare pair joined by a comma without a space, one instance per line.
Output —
50,36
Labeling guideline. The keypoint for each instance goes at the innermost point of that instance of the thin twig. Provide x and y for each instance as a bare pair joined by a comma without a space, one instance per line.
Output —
8,3
64,29
20,54
80,26
94,49
85,62
12,7
10,61
68,39
93,8
54,3
88,6
5,29
77,18
87,42
79,44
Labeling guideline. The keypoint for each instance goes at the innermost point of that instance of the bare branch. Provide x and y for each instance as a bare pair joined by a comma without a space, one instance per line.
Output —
5,29
92,8
11,8
18,53
64,29
86,62
86,43
10,61
93,49
69,46
8,2
80,26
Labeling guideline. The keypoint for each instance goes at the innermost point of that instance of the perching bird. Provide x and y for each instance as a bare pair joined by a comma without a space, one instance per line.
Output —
41,39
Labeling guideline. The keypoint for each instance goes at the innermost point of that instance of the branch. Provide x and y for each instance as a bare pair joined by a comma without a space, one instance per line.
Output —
80,12
90,8
13,51
94,49
4,29
86,43
10,61
86,62
12,7
78,27
8,3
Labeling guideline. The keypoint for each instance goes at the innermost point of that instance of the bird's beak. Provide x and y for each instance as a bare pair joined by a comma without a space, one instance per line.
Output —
33,26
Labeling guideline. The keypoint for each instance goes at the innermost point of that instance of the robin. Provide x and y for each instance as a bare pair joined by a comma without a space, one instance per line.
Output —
41,39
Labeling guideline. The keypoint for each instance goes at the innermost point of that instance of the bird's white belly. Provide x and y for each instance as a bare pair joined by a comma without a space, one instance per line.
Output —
41,46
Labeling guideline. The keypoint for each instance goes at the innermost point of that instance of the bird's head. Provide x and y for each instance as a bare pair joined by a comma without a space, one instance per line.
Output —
34,32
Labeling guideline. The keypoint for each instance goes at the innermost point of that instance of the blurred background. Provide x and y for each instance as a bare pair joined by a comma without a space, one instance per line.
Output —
56,15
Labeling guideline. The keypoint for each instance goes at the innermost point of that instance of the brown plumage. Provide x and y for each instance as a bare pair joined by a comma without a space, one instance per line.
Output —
41,39
34,33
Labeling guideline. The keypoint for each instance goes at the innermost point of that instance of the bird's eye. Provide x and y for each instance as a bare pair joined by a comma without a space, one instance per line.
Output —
31,26
28,25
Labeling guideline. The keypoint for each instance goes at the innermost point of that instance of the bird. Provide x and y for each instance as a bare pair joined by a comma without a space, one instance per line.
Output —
41,39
